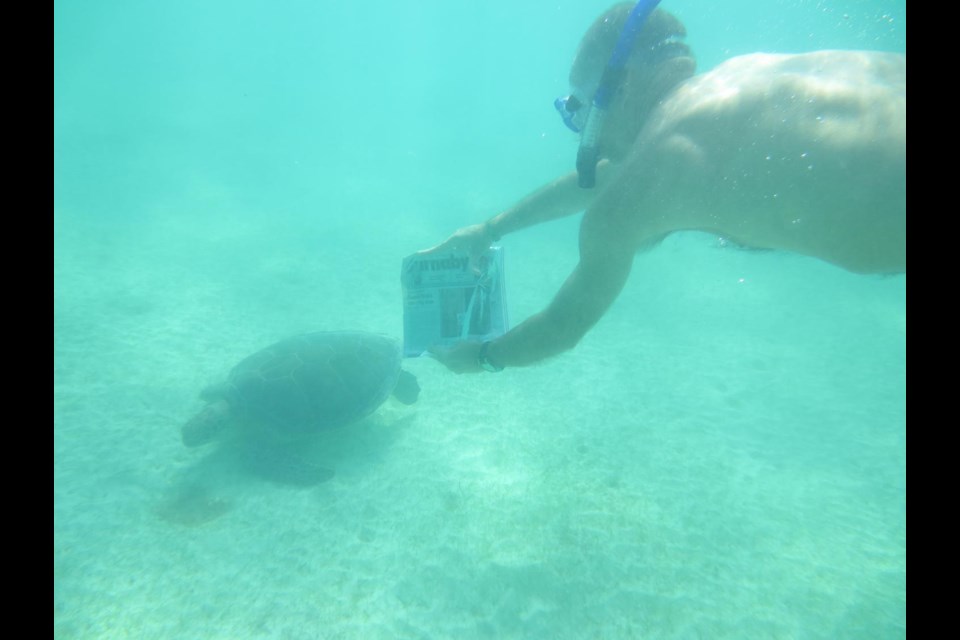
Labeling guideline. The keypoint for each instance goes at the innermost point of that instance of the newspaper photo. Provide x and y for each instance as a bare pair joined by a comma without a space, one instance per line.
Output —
445,301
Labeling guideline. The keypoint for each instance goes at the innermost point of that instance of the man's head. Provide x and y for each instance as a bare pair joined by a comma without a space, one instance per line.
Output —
657,62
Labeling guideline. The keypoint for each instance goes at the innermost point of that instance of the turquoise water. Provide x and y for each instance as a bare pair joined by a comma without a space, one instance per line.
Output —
723,456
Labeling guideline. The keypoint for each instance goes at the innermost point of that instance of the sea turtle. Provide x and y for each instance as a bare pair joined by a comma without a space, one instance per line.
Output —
297,388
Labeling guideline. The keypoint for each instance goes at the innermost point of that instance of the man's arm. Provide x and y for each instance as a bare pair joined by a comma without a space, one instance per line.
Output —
606,256
558,199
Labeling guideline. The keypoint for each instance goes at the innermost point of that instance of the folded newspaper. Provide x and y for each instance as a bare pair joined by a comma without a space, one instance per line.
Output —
445,301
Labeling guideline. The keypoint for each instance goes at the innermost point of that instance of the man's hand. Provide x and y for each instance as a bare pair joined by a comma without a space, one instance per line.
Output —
472,240
460,357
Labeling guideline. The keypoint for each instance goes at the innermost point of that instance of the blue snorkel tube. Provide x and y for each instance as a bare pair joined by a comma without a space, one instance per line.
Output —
588,153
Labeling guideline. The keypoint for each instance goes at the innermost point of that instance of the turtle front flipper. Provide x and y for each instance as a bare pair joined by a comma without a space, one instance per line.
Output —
282,463
206,425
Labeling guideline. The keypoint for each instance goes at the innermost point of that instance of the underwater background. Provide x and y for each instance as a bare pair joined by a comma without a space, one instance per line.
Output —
723,455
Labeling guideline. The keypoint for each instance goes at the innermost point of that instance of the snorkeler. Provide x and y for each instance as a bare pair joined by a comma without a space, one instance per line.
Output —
803,153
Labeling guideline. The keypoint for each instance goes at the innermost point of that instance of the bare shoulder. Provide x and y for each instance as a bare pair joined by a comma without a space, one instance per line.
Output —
819,72
856,68
816,89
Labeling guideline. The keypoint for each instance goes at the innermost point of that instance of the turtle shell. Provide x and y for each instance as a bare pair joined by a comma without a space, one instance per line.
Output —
314,381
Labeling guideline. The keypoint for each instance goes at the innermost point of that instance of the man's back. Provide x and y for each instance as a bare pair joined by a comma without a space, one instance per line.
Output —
803,153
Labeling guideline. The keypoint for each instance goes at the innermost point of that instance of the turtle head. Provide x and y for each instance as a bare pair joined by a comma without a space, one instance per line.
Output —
206,425
407,389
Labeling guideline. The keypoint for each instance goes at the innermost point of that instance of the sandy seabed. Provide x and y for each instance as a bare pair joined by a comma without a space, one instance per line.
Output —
722,457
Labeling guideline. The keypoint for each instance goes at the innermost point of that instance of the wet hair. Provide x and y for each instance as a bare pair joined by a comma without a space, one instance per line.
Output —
657,63
658,41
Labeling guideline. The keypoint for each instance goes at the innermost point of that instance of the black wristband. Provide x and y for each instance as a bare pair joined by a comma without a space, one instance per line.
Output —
484,362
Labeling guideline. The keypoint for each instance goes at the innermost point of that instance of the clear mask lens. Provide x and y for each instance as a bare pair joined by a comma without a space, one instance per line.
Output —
571,111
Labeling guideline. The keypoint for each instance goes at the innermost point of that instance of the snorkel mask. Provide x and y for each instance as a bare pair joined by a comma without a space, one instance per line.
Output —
587,119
